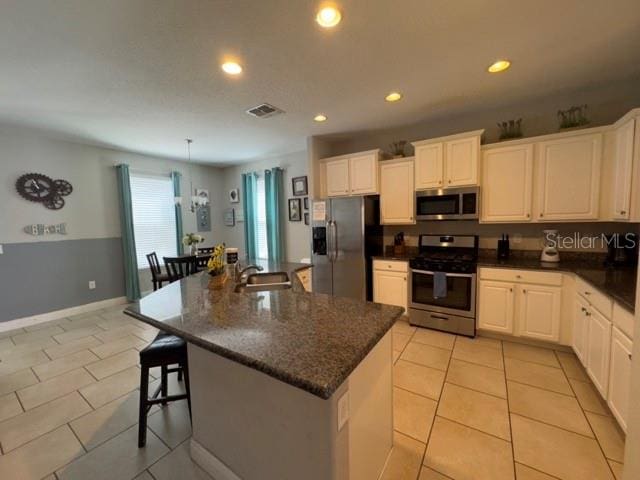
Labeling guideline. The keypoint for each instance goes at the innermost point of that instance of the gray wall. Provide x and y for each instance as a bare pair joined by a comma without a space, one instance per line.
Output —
91,215
606,104
46,276
296,234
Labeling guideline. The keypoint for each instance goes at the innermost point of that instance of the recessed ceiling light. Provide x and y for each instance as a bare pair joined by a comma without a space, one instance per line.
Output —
328,17
499,66
232,68
393,97
320,118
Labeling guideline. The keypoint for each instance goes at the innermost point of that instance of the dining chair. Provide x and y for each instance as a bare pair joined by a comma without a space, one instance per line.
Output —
180,267
157,277
204,254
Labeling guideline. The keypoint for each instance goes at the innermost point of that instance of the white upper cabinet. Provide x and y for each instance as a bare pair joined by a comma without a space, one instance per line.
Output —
397,199
623,170
461,166
540,312
568,180
429,166
337,177
355,174
507,182
450,161
363,174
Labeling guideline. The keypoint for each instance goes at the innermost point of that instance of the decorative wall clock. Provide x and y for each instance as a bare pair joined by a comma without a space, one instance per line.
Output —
36,187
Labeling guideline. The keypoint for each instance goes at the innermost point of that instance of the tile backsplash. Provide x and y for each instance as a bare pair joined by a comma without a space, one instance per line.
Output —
522,236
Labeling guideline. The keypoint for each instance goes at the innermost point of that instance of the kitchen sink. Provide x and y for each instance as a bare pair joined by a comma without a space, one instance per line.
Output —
248,288
267,278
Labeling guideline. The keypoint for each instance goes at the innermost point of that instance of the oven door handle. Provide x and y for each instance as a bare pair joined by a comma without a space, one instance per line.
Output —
463,275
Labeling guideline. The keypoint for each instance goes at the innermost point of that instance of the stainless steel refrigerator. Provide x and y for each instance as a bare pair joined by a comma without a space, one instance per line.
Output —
346,234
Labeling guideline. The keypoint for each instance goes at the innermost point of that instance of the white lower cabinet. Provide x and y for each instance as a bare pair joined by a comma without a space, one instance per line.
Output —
598,349
620,376
496,303
539,312
520,308
580,328
390,283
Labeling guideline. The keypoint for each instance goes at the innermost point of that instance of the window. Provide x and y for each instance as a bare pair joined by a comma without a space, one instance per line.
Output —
261,240
154,218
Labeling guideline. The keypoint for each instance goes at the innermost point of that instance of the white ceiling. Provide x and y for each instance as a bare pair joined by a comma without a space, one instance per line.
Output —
142,75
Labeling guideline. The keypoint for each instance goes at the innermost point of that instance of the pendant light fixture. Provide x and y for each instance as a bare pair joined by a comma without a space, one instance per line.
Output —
196,200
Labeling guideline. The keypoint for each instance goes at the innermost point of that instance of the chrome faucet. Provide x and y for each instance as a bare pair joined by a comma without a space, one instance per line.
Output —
239,273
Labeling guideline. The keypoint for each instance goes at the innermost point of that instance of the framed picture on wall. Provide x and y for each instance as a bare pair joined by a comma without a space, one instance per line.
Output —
230,217
300,187
295,210
306,218
306,203
234,195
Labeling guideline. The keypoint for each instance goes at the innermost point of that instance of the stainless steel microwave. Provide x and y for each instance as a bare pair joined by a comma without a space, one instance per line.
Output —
448,204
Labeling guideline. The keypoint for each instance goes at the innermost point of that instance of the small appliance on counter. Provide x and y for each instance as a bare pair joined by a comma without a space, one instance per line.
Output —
622,250
550,252
232,255
503,247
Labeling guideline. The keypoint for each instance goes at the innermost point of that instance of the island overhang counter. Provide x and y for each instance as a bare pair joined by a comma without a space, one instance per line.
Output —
285,384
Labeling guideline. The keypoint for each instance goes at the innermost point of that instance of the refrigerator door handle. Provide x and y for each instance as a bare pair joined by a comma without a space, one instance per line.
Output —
329,242
334,239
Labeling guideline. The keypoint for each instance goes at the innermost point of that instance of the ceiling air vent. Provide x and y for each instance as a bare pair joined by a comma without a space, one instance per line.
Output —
264,110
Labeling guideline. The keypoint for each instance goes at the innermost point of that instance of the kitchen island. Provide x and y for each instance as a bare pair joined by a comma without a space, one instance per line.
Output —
285,384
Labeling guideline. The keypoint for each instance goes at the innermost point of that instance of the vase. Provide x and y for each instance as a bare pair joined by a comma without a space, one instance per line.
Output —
193,249
216,282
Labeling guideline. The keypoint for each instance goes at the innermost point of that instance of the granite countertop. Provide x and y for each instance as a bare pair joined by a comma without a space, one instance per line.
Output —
308,340
617,282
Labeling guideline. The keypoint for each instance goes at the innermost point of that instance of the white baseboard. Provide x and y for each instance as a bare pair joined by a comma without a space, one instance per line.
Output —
58,314
210,463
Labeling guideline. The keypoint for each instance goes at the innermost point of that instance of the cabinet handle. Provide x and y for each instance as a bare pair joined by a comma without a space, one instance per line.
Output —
541,215
511,290
524,291
405,279
528,215
587,293
518,276
588,314
449,181
622,212
583,309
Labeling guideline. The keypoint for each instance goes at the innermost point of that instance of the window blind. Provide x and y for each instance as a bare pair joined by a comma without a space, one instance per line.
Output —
154,220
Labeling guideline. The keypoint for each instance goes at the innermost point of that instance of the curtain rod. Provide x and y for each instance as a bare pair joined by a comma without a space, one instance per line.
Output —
149,172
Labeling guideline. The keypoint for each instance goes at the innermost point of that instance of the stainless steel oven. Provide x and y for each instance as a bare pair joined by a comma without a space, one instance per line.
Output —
448,204
453,313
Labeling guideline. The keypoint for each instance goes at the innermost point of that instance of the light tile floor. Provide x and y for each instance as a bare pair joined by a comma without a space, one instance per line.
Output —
463,409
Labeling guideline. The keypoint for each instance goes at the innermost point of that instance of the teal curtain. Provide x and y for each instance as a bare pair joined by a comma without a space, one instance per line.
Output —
132,287
175,178
273,202
250,206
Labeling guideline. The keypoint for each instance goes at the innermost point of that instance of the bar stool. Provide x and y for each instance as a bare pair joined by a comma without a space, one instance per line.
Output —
165,350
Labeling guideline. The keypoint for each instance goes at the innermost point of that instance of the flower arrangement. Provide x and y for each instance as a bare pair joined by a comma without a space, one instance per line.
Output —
215,265
192,239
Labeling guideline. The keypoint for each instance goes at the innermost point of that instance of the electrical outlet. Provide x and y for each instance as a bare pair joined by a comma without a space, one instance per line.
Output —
517,238
343,410
92,284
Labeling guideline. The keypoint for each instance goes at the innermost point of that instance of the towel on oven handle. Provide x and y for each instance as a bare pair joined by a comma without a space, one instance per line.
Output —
439,285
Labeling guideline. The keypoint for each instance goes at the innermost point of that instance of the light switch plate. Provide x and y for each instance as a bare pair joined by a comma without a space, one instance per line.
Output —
343,410
1,250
